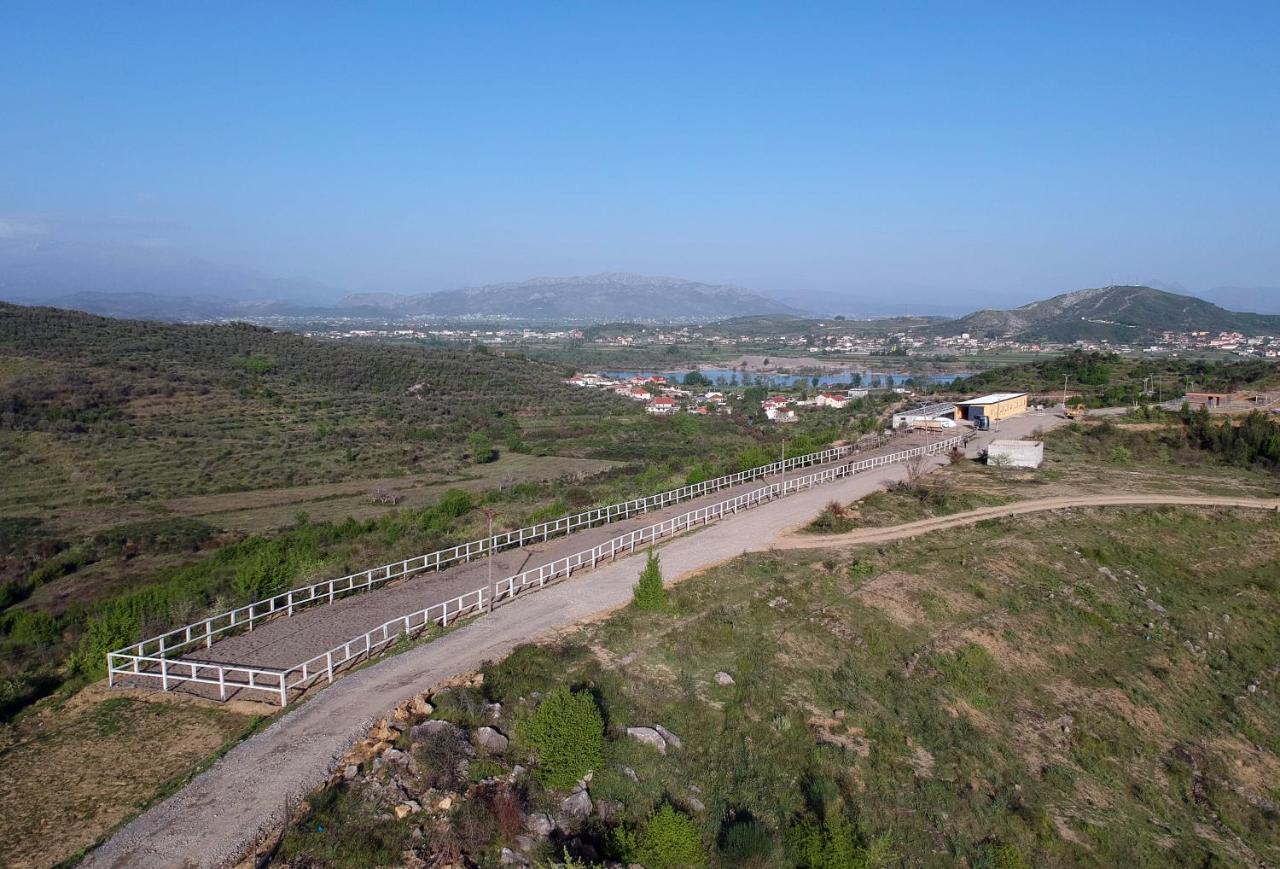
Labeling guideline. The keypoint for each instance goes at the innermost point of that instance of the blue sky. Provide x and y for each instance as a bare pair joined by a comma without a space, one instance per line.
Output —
967,154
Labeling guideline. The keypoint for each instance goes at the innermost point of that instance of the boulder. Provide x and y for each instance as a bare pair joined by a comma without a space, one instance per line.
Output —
350,771
631,774
539,824
671,738
723,678
420,707
421,732
382,731
394,755
609,810
513,858
648,736
490,740
444,804
406,809
695,804
575,807
494,710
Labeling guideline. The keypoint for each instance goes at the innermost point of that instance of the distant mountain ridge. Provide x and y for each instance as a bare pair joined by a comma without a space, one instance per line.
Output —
604,297
1120,314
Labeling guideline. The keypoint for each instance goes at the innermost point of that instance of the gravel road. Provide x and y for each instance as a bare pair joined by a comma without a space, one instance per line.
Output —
216,818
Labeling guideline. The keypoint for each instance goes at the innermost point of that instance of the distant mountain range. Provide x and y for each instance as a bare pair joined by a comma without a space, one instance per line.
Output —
609,296
1123,314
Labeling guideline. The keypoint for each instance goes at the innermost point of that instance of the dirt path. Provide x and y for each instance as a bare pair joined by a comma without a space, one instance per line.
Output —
795,539
216,819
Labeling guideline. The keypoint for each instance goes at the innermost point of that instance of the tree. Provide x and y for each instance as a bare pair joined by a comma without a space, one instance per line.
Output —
917,467
649,592
481,448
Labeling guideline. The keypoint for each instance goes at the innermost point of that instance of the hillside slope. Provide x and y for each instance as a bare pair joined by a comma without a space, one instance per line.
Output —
606,297
1116,313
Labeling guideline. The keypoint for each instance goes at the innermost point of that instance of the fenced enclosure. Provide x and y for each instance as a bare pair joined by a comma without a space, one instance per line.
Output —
166,671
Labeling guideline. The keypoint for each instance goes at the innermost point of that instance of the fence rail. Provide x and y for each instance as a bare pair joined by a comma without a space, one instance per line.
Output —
287,603
171,672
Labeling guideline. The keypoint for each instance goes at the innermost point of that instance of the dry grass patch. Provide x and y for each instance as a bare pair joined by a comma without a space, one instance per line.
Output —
71,773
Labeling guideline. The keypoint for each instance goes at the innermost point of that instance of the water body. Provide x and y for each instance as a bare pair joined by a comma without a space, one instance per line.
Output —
732,376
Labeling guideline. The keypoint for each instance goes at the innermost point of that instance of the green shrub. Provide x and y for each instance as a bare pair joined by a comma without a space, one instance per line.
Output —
31,628
669,840
454,503
832,843
649,592
746,842
566,732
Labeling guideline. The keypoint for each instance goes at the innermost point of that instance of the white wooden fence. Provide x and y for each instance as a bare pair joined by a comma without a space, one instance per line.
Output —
170,671
203,632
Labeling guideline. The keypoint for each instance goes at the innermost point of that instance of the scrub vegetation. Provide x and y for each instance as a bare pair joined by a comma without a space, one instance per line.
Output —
1088,687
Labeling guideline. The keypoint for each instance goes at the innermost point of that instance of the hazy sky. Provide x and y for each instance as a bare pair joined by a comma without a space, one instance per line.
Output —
915,151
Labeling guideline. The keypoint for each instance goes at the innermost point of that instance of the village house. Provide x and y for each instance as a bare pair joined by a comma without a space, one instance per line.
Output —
662,405
831,399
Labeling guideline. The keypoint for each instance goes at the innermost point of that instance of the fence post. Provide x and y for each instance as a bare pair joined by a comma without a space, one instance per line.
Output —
164,674
284,695
328,665
222,684
111,671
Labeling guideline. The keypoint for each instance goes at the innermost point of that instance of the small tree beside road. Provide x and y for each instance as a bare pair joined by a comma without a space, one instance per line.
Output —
649,592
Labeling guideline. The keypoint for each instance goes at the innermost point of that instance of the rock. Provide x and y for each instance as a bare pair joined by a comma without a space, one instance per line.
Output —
838,714
421,732
394,755
490,740
631,774
608,810
1253,688
539,824
350,771
512,858
406,809
723,678
628,659
575,807
648,736
695,804
494,710
382,731
444,804
1065,723
671,738
419,706
517,771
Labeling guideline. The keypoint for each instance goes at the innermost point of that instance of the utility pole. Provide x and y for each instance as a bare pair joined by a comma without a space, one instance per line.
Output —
489,513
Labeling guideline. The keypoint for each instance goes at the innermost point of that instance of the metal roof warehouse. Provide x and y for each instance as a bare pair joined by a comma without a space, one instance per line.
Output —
996,406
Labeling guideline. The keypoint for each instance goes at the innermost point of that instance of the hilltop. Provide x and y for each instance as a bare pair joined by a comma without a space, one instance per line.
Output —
1115,313
605,297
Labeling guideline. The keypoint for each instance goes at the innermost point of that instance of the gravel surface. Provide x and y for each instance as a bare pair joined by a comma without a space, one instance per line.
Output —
217,818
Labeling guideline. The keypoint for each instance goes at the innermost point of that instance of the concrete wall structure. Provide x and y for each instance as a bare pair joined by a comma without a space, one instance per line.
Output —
1016,454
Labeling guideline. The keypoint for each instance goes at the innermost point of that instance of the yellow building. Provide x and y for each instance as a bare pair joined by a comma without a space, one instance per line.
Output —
995,407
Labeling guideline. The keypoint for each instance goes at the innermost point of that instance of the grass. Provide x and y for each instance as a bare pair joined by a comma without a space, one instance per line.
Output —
1066,689
80,769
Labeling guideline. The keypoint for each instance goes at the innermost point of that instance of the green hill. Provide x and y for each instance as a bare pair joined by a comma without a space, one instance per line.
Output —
1122,314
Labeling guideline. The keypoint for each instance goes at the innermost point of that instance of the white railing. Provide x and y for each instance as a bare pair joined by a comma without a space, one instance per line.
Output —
287,603
170,672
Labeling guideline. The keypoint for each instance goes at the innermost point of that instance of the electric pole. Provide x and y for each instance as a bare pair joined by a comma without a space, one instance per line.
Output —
489,513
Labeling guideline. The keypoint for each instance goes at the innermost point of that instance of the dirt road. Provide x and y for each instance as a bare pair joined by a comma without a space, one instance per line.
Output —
800,540
215,819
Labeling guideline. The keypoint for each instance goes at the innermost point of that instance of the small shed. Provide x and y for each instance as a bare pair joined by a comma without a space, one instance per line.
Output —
1016,454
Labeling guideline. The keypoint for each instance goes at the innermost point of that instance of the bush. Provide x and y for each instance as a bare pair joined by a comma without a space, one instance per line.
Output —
669,840
566,731
649,592
746,842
